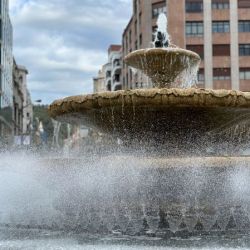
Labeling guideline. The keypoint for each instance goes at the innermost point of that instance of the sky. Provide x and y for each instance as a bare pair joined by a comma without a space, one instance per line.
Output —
63,43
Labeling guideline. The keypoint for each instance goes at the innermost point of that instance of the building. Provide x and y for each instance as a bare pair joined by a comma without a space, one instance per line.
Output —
218,30
99,81
23,109
109,78
18,100
27,103
6,83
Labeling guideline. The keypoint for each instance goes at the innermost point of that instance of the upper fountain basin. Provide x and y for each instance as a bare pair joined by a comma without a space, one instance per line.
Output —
165,65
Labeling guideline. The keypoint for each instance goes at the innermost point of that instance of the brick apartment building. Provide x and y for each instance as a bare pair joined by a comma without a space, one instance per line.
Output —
218,30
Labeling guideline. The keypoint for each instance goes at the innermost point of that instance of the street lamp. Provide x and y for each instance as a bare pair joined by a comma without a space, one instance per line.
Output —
37,101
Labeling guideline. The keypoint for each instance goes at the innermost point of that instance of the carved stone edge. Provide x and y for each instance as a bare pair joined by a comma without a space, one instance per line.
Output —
174,97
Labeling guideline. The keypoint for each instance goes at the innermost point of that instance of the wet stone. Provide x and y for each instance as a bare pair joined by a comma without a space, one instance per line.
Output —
216,226
163,223
231,224
184,234
183,225
165,234
199,226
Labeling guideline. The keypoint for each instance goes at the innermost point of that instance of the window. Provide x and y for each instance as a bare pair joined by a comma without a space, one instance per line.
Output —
108,74
194,28
221,27
136,45
1,27
109,86
244,73
140,39
221,50
243,4
221,74
116,62
130,36
123,44
220,4
244,26
244,49
135,7
200,76
135,27
159,8
154,29
197,48
194,6
116,78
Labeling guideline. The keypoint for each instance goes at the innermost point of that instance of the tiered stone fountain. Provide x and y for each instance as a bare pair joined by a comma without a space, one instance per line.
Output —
177,135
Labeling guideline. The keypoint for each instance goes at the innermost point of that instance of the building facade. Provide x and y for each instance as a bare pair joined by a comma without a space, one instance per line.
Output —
23,108
27,103
109,77
99,81
6,82
18,100
218,30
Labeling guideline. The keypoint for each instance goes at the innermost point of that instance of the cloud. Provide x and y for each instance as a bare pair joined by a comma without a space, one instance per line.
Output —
64,43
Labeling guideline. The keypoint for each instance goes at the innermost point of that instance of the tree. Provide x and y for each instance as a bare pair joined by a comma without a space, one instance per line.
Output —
41,112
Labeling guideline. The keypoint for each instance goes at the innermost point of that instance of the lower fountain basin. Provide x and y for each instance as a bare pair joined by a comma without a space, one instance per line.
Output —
180,121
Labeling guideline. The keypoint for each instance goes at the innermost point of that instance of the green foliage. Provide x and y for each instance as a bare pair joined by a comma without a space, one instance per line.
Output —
41,112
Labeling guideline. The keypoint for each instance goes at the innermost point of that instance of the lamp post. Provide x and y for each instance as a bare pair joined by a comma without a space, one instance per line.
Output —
29,104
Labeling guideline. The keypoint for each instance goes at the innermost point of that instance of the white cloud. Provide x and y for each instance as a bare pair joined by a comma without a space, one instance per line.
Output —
64,43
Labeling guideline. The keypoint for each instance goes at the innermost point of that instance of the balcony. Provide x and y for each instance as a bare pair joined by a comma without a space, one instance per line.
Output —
221,38
245,85
221,61
222,84
220,14
117,86
244,62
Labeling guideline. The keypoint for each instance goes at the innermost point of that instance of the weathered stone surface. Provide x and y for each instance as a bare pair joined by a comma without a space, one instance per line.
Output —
151,98
177,121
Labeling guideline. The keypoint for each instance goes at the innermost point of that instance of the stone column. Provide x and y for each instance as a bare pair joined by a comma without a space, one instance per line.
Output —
208,43
234,45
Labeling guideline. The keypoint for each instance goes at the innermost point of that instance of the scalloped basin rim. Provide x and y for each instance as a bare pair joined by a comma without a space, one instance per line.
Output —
162,51
151,97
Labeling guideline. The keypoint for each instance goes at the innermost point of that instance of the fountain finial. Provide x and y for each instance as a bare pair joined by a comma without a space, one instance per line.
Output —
161,35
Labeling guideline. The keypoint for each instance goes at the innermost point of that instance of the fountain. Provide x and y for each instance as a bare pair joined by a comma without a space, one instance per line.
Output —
174,172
